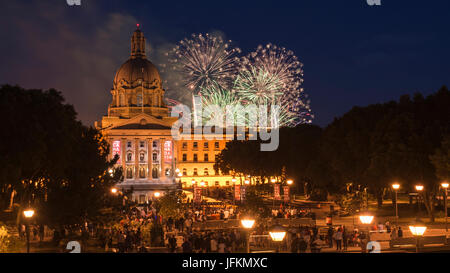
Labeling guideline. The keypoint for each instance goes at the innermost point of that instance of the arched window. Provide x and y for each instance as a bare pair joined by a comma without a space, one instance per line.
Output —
139,99
205,172
155,172
122,100
195,172
129,173
142,172
129,157
142,157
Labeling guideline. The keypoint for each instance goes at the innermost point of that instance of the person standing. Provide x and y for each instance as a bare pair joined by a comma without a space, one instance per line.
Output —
330,236
338,238
400,232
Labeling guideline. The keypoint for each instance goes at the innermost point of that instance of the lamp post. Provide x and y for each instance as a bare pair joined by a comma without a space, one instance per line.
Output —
419,189
28,215
277,234
113,190
248,223
444,185
396,187
418,229
366,219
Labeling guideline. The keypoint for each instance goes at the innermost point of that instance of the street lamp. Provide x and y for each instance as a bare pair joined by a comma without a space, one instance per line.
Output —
396,187
277,234
290,182
444,185
247,182
418,229
248,224
273,180
114,190
419,188
202,184
157,194
28,214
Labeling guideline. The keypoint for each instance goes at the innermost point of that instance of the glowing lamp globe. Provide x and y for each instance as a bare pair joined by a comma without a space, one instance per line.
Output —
418,229
396,186
247,223
157,194
114,190
277,233
444,185
28,213
290,182
202,184
366,219
419,188
273,180
246,182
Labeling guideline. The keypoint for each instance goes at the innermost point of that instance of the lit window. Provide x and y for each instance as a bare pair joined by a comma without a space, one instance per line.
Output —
141,172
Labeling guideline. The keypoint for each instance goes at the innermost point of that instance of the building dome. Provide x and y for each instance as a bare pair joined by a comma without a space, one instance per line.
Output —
135,69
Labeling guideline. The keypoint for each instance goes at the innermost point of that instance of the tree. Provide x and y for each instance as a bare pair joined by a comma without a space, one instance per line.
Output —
49,159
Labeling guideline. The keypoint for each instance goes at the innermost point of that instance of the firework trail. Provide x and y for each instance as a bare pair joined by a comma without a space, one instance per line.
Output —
205,61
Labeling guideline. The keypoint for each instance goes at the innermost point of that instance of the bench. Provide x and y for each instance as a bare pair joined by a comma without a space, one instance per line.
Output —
424,241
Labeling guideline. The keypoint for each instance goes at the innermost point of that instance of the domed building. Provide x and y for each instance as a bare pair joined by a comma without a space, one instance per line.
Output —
138,126
138,129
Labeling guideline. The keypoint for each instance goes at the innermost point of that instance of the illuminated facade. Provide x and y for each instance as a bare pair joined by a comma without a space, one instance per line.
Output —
138,129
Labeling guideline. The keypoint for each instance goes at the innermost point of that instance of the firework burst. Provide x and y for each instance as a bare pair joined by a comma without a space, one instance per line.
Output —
274,75
205,61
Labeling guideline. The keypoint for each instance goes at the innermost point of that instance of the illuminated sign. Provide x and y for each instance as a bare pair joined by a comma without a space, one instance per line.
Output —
168,151
116,149
276,192
237,192
286,193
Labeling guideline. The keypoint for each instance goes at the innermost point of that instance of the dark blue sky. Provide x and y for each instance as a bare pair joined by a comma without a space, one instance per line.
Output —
353,53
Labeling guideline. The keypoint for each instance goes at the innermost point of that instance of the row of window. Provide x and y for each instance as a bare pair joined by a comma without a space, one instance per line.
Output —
195,172
142,144
216,183
205,145
142,172
141,157
195,158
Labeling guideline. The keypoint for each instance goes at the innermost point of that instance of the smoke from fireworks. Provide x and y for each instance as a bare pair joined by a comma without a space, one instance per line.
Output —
205,61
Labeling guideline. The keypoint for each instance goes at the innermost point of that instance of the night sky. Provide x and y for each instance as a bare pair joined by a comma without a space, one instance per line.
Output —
353,53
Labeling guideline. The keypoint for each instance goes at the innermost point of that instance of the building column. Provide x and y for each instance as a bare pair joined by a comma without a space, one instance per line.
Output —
123,156
163,171
136,158
150,157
